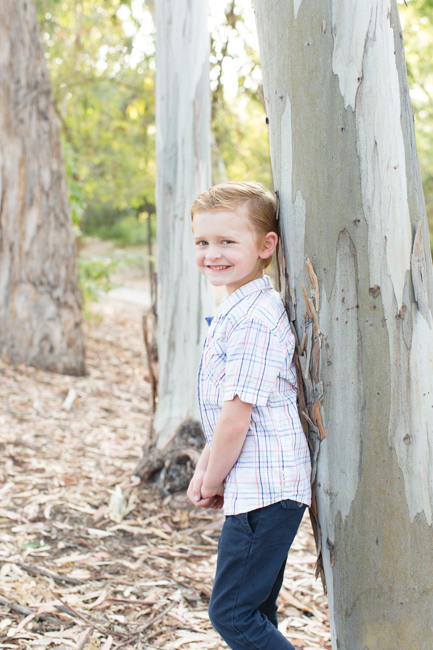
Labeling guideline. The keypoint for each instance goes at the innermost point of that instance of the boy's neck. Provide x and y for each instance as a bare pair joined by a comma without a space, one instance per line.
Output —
255,275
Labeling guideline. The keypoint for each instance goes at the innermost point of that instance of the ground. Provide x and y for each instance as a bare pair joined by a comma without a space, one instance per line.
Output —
88,557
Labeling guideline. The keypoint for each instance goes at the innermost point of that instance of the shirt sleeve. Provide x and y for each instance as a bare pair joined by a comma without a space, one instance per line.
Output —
254,360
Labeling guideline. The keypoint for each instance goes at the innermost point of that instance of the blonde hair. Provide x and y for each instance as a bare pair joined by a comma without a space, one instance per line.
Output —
260,205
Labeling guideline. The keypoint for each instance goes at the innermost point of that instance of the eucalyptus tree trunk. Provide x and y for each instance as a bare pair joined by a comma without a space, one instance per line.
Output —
40,315
183,171
355,236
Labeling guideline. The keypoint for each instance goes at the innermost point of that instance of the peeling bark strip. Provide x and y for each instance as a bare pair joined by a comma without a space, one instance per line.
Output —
184,170
40,316
345,166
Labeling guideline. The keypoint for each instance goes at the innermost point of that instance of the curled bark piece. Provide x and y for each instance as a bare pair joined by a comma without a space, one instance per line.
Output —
314,316
314,283
317,418
319,571
308,347
315,359
307,303
311,389
301,395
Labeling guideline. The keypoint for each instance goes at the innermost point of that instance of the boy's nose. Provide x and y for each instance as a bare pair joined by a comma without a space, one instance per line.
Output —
213,253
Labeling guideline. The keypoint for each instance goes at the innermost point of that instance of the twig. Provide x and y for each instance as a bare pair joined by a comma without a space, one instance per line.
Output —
128,640
159,617
152,377
19,609
15,608
67,608
49,574
146,627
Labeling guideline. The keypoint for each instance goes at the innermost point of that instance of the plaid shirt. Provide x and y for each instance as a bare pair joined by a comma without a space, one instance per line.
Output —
249,352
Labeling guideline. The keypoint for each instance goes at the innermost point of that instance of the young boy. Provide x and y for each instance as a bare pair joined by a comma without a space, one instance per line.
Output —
256,462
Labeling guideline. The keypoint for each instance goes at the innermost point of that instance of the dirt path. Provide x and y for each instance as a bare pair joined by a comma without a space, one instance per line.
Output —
75,570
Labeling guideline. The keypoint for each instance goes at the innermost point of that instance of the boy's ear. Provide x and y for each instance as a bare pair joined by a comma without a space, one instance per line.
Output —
269,244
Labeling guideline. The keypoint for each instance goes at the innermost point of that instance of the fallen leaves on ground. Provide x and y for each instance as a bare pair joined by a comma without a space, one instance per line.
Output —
88,557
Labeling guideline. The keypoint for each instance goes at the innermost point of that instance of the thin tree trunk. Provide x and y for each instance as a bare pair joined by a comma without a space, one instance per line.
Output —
345,166
184,170
40,316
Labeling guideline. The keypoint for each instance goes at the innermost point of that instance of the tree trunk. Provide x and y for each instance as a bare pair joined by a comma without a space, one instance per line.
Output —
345,166
183,159
40,316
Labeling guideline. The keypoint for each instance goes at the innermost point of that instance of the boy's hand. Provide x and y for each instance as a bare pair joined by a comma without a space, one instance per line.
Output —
195,496
211,490
216,503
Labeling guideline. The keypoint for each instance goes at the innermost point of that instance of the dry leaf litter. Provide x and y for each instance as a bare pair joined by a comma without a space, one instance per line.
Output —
88,558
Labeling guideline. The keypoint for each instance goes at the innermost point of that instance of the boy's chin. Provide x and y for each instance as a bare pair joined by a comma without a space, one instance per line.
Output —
215,281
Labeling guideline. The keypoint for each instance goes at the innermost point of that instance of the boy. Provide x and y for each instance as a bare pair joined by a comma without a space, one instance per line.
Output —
256,462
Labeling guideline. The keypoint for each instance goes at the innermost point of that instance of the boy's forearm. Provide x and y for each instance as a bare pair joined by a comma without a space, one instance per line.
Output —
203,461
228,439
226,448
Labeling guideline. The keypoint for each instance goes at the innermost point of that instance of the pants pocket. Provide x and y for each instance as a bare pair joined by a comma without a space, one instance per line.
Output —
253,518
249,520
289,504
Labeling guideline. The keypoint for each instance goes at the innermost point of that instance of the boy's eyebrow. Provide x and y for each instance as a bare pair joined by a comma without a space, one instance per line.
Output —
199,237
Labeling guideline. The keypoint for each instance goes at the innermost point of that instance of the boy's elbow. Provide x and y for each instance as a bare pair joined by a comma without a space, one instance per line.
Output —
236,429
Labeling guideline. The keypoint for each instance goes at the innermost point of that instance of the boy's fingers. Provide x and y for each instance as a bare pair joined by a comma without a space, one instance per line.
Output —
203,503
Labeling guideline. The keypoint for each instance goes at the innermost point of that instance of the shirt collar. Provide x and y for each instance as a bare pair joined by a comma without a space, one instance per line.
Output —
261,284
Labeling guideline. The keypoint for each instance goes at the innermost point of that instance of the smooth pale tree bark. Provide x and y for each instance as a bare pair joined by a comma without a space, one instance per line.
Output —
183,171
40,316
345,166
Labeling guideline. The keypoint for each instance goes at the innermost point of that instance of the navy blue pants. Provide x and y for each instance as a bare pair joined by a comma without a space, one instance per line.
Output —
252,555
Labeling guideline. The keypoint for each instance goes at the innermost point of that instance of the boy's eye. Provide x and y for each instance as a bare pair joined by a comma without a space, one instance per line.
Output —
201,243
227,241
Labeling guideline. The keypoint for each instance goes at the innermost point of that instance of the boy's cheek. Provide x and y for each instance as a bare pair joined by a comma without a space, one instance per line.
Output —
199,261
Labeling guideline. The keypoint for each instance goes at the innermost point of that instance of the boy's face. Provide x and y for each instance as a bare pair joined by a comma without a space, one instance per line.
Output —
226,251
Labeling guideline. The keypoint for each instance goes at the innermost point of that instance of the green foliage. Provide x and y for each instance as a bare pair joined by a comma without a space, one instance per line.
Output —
94,279
242,137
417,22
100,55
103,88
238,122
95,274
127,231
75,188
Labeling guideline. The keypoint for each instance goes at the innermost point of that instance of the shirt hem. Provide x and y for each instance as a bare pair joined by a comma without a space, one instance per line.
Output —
306,502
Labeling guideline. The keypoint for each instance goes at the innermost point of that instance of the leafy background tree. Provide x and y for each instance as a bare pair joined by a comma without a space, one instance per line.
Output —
101,58
417,20
103,88
238,116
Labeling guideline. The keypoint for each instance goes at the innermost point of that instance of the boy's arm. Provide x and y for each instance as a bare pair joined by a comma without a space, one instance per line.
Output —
228,439
194,489
203,461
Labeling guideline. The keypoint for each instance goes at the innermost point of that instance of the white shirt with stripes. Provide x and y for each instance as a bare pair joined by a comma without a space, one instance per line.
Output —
249,352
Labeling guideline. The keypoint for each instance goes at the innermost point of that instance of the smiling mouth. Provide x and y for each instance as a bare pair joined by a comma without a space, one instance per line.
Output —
218,268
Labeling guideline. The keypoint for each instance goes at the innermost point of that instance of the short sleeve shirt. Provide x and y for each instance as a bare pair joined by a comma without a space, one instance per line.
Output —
249,352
